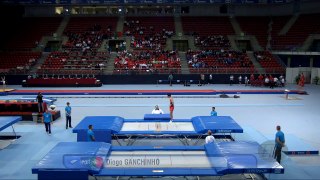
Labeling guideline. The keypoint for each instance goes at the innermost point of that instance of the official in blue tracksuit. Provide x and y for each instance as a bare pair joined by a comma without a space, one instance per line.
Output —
90,134
68,115
213,112
279,140
47,119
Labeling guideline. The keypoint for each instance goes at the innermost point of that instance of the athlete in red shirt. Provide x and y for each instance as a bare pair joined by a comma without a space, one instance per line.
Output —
171,106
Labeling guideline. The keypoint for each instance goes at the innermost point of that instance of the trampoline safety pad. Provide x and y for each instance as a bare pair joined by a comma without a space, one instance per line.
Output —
162,159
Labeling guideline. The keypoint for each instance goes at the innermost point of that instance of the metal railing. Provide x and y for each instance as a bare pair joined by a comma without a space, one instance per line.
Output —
202,70
102,71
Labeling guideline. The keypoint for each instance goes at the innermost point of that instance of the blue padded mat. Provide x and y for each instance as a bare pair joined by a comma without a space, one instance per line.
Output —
161,172
6,121
156,117
104,127
239,147
113,123
238,161
73,155
217,124
248,157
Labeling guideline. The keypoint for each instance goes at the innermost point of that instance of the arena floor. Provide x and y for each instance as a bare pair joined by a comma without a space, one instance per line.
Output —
258,114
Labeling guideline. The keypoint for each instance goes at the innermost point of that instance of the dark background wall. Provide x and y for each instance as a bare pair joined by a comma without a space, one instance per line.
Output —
10,17
298,60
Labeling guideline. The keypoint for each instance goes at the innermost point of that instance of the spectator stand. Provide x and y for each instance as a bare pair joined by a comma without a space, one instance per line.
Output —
213,61
269,62
213,36
73,63
148,32
147,61
17,62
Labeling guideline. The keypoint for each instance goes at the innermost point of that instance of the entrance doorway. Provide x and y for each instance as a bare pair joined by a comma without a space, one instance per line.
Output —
244,45
114,44
52,46
180,45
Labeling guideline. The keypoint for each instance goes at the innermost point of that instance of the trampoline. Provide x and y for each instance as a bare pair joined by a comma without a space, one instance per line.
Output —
77,160
6,121
107,128
48,101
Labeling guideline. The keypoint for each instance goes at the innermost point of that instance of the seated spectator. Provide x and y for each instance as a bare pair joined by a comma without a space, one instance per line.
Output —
210,138
157,110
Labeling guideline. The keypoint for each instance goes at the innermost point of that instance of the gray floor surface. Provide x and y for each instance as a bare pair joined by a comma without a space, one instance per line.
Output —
258,114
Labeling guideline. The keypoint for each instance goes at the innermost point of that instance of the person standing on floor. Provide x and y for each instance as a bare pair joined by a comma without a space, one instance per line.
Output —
3,80
47,119
68,115
210,79
240,79
246,80
171,106
40,102
279,140
170,79
202,79
214,112
90,134
231,79
301,80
